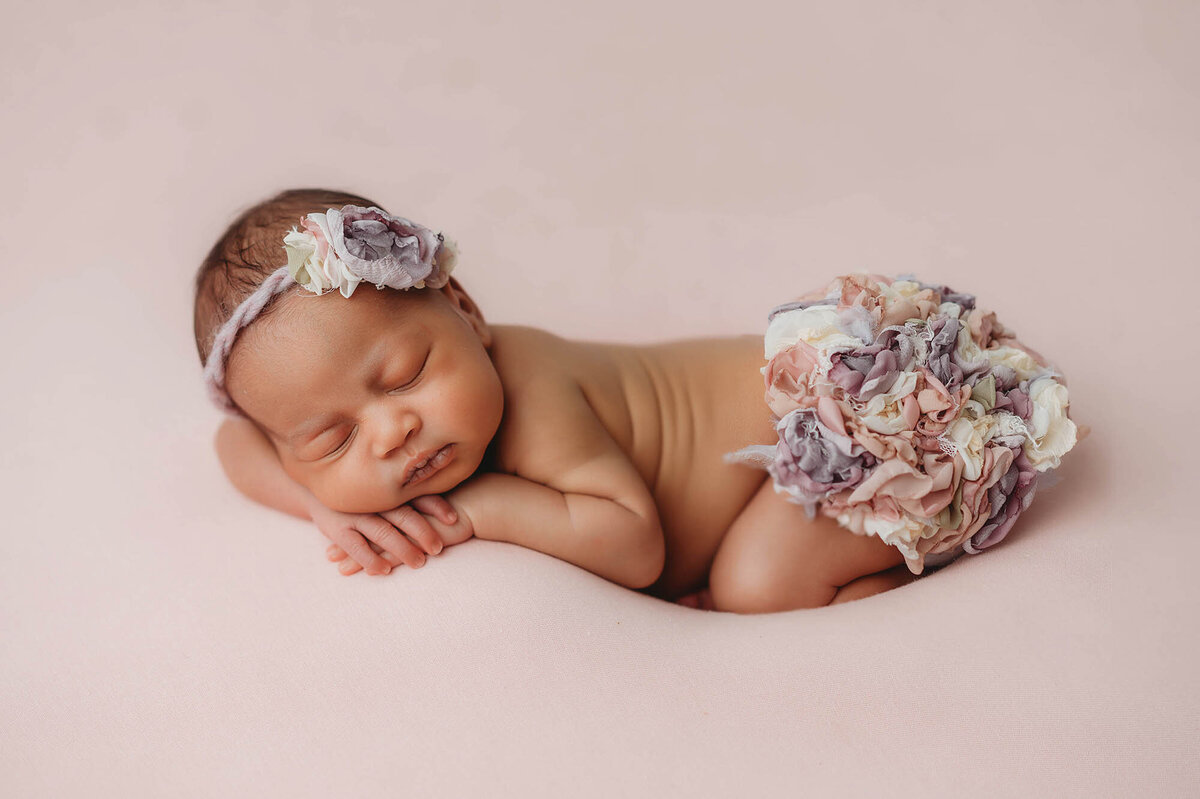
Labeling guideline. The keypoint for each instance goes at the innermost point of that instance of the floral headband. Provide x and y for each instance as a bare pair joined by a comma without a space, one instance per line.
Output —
338,250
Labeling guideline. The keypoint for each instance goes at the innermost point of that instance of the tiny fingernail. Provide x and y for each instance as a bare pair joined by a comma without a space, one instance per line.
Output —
387,570
453,517
437,549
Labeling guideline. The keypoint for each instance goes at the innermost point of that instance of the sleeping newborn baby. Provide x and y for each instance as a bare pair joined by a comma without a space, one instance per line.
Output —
901,428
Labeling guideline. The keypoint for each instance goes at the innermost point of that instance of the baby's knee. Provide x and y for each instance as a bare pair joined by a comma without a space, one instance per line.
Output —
748,586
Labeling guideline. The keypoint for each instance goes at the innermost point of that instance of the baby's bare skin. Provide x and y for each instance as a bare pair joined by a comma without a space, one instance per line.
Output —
675,409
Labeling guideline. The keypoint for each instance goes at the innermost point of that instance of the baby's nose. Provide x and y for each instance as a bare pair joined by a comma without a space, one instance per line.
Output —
393,431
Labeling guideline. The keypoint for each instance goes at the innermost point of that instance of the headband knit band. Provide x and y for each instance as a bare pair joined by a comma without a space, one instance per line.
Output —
214,367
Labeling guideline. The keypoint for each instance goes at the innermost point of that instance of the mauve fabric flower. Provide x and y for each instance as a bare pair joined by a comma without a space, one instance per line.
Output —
1005,376
967,301
1015,401
1009,496
866,372
811,460
943,338
1012,395
385,250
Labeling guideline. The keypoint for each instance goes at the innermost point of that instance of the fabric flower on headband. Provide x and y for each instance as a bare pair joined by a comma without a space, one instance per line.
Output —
906,412
338,249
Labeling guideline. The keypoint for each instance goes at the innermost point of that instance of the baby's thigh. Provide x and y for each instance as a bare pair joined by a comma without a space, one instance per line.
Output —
775,558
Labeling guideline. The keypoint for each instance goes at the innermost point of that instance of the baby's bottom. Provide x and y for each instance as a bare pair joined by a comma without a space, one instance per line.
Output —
775,558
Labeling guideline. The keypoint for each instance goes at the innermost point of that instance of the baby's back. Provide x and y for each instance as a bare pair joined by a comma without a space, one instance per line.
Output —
674,409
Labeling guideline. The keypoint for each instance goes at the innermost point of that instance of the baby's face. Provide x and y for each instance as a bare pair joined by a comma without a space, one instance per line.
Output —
355,393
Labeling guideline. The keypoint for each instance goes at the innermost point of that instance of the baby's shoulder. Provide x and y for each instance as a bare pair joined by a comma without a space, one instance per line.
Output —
546,411
519,352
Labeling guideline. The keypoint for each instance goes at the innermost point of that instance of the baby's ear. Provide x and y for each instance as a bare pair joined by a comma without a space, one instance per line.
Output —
467,309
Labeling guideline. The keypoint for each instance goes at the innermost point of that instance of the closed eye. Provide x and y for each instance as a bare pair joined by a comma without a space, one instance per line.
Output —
416,377
343,445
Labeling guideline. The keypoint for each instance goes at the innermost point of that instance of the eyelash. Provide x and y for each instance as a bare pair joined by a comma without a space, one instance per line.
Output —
410,383
420,372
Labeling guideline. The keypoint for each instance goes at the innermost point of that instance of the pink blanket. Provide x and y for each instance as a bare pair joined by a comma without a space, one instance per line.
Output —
637,172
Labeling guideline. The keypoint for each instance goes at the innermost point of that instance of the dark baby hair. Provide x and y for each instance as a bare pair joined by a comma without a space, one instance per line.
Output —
249,250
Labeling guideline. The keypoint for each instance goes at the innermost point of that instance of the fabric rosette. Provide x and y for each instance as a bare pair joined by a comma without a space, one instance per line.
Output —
905,411
339,249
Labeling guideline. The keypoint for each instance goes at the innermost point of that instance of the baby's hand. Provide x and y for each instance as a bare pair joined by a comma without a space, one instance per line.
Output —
376,541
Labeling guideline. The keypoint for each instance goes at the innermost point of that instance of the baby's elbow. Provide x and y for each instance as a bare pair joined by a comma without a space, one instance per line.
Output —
223,447
229,441
650,558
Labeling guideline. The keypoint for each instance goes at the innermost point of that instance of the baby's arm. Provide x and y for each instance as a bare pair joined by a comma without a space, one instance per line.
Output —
575,494
594,532
252,466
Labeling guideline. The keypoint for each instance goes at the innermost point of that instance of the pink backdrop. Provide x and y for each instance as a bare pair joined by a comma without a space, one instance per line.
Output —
632,171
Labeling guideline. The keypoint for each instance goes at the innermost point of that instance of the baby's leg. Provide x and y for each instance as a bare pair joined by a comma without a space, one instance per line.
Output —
874,584
774,558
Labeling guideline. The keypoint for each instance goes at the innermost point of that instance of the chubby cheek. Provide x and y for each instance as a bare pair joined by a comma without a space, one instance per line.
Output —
483,406
354,494
368,497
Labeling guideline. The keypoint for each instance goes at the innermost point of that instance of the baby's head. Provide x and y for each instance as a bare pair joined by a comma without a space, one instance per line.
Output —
354,392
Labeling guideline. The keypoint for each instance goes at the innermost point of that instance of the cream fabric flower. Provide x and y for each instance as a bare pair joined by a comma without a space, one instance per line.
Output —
818,326
1051,433
892,412
313,272
905,534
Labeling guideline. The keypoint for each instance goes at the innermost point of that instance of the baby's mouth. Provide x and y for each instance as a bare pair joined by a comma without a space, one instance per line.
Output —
430,464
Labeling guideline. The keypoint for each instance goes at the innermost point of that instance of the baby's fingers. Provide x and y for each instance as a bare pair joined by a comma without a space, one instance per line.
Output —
414,525
437,506
382,533
360,555
348,566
